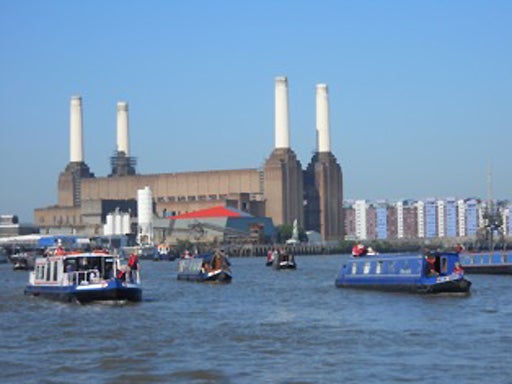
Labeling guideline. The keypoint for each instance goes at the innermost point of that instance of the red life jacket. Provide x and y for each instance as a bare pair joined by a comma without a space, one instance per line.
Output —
132,261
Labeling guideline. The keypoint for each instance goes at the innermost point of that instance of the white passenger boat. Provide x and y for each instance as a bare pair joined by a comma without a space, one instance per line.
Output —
84,277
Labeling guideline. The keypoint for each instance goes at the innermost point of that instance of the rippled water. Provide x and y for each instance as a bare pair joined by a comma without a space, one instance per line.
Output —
265,327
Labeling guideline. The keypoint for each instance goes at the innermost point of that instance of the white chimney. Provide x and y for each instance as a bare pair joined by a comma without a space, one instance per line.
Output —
123,143
282,125
322,118
76,147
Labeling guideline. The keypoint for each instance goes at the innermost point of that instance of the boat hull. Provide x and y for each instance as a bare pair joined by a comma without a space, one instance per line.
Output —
285,265
216,277
489,270
496,263
461,286
112,291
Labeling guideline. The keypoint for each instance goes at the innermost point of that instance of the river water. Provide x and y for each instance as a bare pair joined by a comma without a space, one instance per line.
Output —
266,326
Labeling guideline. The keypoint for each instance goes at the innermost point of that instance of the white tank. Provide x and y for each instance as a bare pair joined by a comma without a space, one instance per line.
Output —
125,221
108,228
145,215
117,222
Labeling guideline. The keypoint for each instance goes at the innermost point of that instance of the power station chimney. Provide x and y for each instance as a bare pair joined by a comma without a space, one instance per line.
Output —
123,142
282,125
322,118
76,146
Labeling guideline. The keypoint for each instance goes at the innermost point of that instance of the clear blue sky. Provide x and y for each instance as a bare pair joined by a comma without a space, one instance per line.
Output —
420,91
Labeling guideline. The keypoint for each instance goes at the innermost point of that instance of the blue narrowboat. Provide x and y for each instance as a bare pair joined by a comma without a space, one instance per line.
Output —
205,268
84,277
496,263
433,272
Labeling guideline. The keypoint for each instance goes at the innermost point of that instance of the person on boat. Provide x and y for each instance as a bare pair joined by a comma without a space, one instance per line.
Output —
371,252
60,251
270,256
459,248
205,267
133,267
219,260
457,269
121,274
284,255
186,254
431,268
70,267
359,250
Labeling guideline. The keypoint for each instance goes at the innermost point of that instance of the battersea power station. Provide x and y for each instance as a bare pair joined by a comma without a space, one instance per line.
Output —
280,192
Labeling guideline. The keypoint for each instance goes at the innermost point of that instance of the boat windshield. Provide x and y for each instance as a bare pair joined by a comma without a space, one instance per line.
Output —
105,265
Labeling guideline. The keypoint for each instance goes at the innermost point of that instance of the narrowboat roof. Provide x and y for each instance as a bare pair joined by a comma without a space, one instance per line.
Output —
404,256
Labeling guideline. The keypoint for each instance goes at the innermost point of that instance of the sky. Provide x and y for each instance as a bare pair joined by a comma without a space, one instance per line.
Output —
419,91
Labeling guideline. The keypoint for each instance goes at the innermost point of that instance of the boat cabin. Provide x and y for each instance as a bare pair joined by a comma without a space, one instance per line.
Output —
432,264
432,272
76,269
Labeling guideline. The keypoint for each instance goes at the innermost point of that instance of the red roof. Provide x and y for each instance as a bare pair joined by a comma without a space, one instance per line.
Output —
219,211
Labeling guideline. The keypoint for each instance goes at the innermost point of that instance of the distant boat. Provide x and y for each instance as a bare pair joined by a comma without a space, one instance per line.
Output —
84,278
211,268
284,260
23,260
436,272
495,263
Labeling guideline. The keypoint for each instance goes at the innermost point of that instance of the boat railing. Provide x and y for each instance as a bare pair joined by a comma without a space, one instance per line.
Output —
190,265
90,276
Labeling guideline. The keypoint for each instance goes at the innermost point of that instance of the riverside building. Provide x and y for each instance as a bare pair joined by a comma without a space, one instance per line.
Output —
281,190
429,218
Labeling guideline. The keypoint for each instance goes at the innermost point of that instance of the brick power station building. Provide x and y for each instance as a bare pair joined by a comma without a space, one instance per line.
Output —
282,190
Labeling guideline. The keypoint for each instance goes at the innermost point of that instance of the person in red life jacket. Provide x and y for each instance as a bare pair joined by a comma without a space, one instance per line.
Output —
133,266
431,265
359,250
270,256
121,274
59,251
457,269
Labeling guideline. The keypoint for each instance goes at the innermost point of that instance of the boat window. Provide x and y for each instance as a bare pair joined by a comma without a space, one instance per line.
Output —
354,268
54,264
47,272
444,265
366,268
39,272
378,267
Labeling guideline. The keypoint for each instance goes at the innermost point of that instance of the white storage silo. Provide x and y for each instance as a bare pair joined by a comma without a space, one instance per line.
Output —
108,228
117,222
145,215
125,224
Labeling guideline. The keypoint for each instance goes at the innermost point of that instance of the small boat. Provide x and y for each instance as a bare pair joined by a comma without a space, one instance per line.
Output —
84,278
213,268
434,272
24,260
284,260
495,263
163,252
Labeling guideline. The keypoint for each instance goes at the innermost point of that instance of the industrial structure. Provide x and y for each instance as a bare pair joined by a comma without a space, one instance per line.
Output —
281,190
